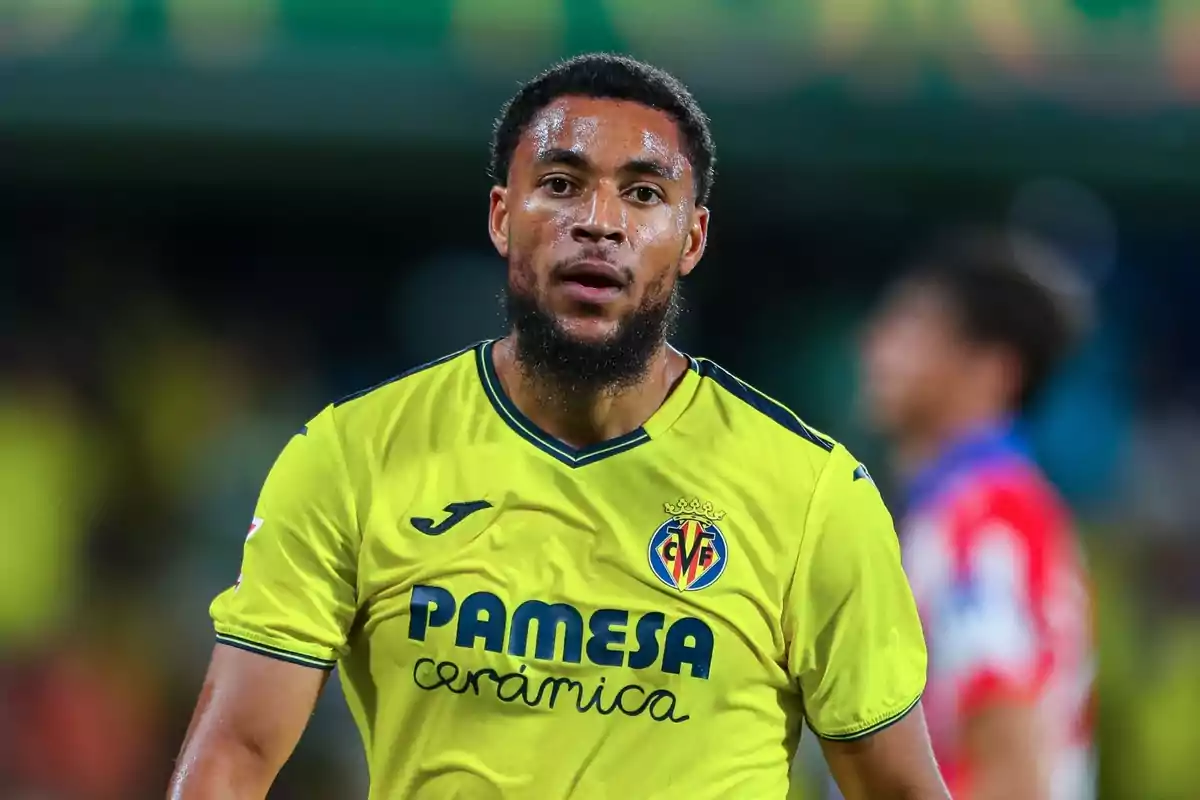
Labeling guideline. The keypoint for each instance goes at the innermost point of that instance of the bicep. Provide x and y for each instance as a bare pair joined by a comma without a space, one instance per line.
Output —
250,715
894,762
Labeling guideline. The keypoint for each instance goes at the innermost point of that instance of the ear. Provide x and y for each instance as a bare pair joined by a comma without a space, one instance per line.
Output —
1006,373
498,219
696,240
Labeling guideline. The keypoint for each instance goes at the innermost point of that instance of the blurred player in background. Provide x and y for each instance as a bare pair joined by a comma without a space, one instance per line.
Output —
574,562
963,344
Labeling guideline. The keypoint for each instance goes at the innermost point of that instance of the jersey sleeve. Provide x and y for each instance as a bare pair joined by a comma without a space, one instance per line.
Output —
295,599
856,646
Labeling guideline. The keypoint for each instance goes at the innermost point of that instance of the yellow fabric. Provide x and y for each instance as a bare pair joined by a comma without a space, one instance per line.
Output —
648,618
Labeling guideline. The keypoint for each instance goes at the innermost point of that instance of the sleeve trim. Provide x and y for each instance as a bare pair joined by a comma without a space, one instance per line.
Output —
873,728
277,653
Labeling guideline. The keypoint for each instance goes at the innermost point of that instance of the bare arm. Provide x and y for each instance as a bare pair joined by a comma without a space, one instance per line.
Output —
895,763
250,715
1003,749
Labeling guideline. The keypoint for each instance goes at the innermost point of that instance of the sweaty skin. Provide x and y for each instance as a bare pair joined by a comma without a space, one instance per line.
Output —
251,712
895,763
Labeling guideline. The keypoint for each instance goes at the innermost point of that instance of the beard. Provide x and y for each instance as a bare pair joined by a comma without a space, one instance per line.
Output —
569,370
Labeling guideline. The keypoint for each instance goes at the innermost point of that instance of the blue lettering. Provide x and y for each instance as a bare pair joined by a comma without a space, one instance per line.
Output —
421,617
605,637
549,618
482,616
689,641
646,634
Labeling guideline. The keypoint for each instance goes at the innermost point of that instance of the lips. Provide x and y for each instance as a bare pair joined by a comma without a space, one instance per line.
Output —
594,275
592,283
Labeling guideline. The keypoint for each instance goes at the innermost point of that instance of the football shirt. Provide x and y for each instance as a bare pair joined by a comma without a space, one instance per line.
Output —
514,617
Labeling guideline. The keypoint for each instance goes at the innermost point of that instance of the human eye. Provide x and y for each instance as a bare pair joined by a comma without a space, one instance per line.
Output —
646,195
558,185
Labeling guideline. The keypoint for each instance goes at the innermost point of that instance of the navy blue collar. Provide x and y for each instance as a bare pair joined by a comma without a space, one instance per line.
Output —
979,448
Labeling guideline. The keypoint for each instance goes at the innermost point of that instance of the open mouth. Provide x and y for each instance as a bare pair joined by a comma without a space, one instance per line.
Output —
595,276
595,281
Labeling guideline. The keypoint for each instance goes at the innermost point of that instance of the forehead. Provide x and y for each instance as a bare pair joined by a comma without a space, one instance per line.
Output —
607,132
921,307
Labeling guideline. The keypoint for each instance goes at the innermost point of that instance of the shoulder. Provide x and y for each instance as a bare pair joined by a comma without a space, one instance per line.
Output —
754,409
764,437
1016,492
400,396
404,404
1008,514
421,377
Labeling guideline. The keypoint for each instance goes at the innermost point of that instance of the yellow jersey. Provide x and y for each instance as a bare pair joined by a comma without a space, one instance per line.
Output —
653,616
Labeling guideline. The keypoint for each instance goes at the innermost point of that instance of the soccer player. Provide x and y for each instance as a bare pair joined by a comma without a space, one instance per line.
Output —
573,562
963,345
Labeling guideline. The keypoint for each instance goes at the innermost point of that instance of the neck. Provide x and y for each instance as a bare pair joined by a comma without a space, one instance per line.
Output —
921,446
581,421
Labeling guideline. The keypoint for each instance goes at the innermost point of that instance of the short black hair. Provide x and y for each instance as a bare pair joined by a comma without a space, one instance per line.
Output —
1011,290
607,75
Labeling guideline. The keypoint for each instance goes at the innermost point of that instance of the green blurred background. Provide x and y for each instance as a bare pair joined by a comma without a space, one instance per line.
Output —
217,215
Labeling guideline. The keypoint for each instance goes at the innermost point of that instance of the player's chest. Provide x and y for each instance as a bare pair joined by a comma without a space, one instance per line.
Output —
520,524
495,563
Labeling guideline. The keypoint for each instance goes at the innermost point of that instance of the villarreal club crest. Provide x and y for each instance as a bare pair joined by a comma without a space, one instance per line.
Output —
688,551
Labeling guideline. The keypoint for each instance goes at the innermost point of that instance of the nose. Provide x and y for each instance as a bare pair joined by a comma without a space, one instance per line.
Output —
603,219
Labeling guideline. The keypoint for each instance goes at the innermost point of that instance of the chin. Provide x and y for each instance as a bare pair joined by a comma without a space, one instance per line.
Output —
882,416
588,329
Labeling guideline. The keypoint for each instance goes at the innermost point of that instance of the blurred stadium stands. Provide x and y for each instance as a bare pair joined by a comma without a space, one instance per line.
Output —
217,216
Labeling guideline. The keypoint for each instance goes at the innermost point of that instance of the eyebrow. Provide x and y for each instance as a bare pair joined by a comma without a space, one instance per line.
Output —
637,166
564,157
650,166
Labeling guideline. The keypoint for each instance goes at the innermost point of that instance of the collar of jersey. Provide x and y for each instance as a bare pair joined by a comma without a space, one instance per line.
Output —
662,419
979,448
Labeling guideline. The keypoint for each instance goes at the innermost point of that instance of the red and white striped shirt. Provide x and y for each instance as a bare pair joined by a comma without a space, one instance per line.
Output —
996,570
